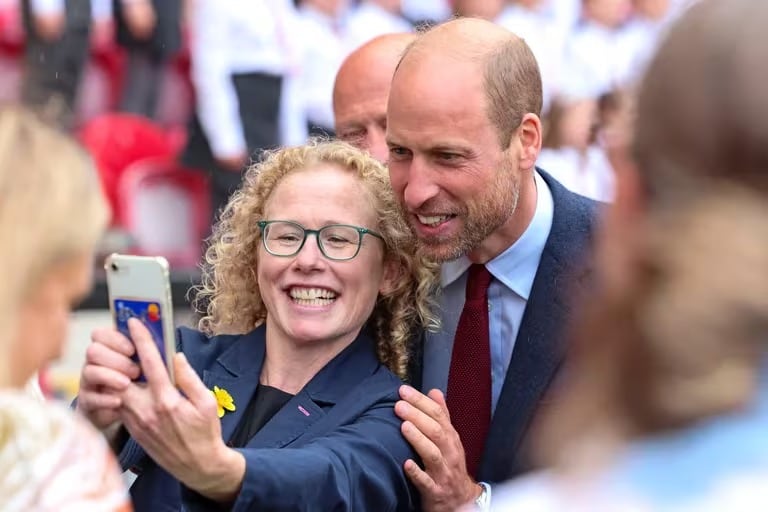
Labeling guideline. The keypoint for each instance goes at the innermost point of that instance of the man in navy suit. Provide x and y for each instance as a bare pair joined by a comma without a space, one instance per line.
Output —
463,132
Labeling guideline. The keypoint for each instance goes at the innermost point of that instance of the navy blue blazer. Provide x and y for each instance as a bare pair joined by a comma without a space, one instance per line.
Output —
539,349
336,445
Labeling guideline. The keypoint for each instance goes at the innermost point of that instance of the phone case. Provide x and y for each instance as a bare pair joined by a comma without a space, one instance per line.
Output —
139,286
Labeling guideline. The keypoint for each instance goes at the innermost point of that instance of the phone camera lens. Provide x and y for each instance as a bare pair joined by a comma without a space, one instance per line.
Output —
113,266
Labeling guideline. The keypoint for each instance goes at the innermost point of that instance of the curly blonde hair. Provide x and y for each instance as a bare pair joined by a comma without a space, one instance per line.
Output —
229,298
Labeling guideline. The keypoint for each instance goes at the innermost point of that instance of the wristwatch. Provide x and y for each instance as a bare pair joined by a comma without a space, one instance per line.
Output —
483,502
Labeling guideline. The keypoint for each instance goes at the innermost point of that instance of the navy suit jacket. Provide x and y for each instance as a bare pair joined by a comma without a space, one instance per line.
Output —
336,445
539,349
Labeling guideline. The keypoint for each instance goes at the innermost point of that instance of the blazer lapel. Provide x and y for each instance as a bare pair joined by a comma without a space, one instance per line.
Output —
539,348
237,371
292,420
330,385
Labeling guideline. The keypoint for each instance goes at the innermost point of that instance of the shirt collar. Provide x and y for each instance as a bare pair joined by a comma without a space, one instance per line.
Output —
515,267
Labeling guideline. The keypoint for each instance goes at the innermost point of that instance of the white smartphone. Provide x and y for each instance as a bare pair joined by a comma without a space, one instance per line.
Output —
139,286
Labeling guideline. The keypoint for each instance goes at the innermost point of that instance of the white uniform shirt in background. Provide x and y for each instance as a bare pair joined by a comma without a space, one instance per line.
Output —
231,37
370,20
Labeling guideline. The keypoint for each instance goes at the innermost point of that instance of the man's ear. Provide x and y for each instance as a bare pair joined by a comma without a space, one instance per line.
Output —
390,277
528,136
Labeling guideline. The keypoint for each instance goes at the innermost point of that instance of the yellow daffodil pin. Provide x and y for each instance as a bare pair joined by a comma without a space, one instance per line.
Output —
223,400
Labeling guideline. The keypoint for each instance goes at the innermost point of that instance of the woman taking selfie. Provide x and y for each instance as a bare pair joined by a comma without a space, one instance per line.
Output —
311,294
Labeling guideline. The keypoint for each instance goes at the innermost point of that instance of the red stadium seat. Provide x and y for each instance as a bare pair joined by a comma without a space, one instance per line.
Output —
165,209
11,31
116,141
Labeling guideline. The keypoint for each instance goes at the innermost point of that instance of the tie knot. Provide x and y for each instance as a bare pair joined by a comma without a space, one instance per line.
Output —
478,281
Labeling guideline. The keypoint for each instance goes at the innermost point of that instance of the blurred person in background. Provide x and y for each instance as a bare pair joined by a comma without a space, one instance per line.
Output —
312,295
667,398
651,20
485,9
322,27
570,152
52,215
373,18
241,52
544,33
426,11
57,44
361,91
150,31
598,55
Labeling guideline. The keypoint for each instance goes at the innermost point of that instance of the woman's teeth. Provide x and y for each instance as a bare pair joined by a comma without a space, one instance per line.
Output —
312,296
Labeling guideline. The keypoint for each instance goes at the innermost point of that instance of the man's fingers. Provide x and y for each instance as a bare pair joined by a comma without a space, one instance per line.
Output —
439,398
433,409
428,426
114,339
101,355
151,363
419,478
428,451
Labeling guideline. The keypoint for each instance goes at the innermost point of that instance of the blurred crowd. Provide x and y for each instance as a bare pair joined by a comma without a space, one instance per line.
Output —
419,316
159,89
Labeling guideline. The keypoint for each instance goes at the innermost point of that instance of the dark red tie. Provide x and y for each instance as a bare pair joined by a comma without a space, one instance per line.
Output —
469,378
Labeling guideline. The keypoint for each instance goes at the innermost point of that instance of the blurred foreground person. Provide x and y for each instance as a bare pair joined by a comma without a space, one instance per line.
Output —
51,216
668,397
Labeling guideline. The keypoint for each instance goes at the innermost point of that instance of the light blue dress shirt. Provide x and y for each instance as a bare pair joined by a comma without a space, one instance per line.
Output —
513,272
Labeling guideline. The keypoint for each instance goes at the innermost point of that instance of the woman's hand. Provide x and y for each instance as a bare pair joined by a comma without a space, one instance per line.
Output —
106,374
182,433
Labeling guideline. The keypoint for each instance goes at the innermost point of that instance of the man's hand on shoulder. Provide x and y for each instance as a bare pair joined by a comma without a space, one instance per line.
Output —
443,483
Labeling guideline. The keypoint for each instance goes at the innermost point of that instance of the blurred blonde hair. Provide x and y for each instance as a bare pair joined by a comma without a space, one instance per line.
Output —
51,209
229,298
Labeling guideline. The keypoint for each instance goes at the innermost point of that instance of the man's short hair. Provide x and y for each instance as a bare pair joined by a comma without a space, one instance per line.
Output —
512,86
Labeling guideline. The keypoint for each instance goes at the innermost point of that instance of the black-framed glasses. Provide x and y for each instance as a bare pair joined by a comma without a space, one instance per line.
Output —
337,242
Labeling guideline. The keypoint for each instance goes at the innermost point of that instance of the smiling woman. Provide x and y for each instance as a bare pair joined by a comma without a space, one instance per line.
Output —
312,293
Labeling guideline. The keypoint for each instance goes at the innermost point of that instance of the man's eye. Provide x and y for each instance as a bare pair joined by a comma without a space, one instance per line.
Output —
398,151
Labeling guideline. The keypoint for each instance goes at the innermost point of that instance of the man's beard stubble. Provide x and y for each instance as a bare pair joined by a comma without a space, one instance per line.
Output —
481,217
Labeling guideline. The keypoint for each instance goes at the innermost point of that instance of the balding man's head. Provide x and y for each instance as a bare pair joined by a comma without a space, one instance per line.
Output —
361,91
464,134
510,74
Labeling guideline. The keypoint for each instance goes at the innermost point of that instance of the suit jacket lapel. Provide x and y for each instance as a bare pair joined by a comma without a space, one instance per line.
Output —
539,350
416,359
